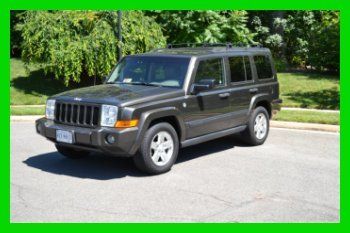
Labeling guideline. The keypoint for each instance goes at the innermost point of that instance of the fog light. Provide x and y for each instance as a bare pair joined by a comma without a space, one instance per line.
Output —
110,139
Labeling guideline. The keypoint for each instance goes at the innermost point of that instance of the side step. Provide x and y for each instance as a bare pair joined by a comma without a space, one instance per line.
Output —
211,136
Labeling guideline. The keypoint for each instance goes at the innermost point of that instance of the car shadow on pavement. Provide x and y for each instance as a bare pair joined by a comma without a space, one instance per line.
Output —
98,167
209,148
101,167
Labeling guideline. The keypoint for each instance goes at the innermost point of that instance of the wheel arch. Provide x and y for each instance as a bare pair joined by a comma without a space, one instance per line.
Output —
263,100
170,115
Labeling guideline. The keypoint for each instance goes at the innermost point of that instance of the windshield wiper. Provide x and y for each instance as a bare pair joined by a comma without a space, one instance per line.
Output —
136,83
146,84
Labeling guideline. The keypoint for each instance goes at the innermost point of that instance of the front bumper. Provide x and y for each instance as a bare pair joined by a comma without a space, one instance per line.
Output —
91,139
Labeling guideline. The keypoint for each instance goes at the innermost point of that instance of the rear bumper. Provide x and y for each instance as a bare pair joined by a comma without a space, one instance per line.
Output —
92,139
276,106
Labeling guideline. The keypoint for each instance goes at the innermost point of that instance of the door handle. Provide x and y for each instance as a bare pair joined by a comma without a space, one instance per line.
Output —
224,95
253,90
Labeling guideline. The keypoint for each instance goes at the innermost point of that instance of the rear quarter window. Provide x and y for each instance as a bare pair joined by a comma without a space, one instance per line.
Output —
263,66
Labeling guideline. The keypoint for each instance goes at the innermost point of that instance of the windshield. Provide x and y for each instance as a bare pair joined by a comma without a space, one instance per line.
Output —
154,71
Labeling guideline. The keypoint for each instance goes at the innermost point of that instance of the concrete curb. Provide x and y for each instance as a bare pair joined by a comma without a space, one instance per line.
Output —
310,110
305,126
274,124
25,118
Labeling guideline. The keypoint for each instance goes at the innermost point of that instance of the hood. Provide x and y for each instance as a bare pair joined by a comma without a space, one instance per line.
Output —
119,94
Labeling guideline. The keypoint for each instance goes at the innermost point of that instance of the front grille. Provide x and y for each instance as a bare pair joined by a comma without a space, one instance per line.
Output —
77,114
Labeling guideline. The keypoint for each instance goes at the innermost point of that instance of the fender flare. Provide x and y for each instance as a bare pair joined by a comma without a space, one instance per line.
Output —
257,98
146,119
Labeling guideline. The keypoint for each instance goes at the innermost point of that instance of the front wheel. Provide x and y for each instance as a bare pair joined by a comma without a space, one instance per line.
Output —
159,149
258,127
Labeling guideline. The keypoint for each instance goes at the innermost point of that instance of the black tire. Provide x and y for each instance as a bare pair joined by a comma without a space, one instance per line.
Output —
143,159
71,153
248,135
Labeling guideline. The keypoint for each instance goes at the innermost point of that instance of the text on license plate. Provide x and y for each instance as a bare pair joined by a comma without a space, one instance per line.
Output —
64,136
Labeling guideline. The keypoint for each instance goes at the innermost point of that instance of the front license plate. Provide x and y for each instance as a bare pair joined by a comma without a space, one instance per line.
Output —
64,136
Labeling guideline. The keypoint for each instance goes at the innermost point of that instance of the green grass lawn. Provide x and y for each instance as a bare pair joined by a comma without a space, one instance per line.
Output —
306,90
308,117
33,87
21,111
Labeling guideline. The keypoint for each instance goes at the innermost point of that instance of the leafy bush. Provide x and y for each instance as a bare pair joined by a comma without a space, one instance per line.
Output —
303,39
76,44
280,65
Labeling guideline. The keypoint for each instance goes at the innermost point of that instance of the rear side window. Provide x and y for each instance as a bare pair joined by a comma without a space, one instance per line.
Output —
240,69
263,67
210,69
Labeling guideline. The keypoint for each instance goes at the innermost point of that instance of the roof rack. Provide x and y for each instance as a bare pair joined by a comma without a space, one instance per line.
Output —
194,45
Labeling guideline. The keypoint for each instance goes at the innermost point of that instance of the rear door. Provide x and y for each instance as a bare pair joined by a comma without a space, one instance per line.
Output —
209,111
265,73
241,86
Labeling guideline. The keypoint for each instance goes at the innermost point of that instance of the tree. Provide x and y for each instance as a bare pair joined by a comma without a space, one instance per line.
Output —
302,39
204,26
324,42
16,18
79,44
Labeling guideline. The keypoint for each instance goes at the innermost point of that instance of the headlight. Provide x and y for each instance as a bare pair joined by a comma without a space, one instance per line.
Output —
109,115
50,109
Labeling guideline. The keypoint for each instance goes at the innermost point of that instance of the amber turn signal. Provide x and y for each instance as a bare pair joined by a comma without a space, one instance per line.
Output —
126,124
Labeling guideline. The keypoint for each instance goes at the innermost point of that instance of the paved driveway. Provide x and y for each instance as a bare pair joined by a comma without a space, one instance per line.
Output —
293,177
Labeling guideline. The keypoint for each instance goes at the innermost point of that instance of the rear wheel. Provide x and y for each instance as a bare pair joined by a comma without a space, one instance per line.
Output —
159,149
70,152
258,127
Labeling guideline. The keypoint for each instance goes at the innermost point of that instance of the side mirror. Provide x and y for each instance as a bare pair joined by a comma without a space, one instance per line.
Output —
203,85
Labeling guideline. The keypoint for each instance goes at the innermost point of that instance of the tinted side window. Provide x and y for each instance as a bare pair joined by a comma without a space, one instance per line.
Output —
210,69
240,69
247,68
263,67
237,69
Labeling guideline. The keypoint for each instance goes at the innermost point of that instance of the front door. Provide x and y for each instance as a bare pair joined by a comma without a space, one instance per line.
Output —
209,111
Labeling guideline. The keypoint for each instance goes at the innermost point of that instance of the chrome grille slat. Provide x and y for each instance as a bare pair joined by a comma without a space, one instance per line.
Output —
92,116
85,110
79,114
65,113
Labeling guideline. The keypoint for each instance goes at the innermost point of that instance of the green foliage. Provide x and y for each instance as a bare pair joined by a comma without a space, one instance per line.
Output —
76,44
324,44
306,39
140,33
280,64
16,18
204,26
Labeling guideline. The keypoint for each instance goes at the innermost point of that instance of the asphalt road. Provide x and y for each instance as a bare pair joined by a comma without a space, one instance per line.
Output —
293,177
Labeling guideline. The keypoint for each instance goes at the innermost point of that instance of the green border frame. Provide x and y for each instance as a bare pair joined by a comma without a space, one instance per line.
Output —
6,5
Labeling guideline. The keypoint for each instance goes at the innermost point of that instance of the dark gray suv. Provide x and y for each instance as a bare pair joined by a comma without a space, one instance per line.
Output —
152,104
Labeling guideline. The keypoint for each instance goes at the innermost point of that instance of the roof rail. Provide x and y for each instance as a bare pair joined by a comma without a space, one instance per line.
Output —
194,45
